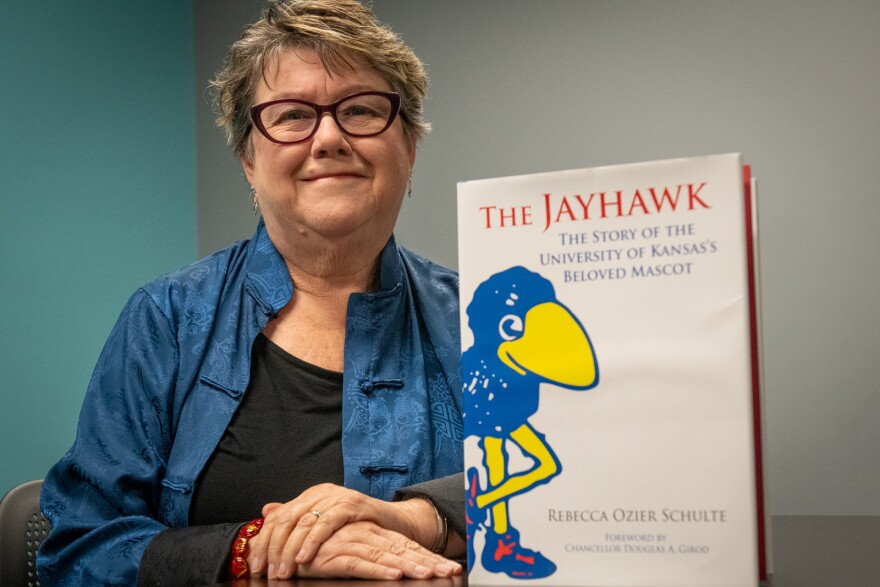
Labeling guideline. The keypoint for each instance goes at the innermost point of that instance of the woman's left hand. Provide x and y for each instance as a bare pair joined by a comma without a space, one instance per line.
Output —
365,550
293,532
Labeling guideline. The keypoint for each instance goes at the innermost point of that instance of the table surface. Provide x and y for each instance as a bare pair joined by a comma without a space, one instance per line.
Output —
808,551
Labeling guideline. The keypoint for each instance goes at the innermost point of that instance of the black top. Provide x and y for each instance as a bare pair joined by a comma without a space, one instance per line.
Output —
285,437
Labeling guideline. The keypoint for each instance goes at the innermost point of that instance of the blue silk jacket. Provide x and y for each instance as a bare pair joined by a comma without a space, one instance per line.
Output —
176,366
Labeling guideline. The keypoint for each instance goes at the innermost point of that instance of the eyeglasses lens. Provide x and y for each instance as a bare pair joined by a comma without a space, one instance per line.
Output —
366,114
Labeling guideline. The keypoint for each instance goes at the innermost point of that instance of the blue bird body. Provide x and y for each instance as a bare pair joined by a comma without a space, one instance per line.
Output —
497,400
523,336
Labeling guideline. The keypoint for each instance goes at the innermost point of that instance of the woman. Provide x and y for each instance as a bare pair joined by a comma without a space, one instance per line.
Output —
309,375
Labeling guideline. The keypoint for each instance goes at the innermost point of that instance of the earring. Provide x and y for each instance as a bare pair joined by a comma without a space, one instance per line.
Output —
409,186
254,196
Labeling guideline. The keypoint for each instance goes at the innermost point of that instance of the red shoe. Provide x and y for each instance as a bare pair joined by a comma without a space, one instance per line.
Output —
503,554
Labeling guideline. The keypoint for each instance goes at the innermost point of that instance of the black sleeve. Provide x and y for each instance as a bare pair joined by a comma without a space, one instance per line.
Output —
447,495
197,555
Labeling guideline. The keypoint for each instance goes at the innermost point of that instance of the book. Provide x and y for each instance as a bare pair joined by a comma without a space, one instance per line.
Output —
609,376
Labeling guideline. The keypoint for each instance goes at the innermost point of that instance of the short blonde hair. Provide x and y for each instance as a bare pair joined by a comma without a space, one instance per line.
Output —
344,34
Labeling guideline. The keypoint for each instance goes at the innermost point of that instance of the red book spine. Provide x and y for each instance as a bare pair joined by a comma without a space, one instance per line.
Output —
756,376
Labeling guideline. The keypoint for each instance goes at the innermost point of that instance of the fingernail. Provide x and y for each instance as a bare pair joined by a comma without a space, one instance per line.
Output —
282,571
393,573
423,570
257,564
271,572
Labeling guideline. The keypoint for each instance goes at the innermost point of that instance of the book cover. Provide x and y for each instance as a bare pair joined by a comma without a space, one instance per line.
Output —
607,373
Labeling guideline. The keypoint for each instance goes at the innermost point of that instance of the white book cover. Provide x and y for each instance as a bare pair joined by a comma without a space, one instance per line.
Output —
607,376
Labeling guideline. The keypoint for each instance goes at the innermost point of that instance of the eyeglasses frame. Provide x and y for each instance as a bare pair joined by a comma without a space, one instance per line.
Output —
322,109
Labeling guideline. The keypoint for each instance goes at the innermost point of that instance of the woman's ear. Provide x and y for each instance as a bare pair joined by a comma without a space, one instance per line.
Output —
412,153
248,165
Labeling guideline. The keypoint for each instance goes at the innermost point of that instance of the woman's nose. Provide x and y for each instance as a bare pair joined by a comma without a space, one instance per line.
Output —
329,138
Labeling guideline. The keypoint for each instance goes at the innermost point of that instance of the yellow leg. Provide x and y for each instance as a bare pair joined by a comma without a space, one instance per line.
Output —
497,469
532,444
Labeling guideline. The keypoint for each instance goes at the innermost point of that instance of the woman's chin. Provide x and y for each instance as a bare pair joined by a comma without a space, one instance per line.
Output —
343,228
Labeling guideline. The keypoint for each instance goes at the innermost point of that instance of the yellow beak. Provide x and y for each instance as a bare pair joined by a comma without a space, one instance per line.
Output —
553,346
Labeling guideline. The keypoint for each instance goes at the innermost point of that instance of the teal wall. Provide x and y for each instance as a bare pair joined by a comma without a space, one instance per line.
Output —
98,183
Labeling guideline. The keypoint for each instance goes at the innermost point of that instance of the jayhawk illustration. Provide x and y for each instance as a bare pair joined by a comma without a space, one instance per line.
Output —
523,336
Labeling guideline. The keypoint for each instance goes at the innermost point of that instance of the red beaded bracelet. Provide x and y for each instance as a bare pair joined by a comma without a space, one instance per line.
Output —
238,566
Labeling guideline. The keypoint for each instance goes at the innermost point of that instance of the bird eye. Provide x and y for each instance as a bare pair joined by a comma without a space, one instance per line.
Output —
510,327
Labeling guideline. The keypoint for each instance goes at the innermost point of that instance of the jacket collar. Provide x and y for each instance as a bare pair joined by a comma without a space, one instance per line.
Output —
390,267
267,274
270,281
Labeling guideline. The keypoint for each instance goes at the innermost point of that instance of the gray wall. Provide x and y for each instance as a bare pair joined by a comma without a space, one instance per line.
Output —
225,209
793,85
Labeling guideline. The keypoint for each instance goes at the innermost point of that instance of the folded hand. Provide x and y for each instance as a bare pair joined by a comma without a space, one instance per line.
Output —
324,532
364,550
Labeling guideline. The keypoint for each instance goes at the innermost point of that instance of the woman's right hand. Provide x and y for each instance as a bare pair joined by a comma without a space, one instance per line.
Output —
365,550
296,532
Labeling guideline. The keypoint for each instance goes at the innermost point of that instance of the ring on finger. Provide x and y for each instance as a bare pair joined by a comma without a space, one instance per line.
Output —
317,513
